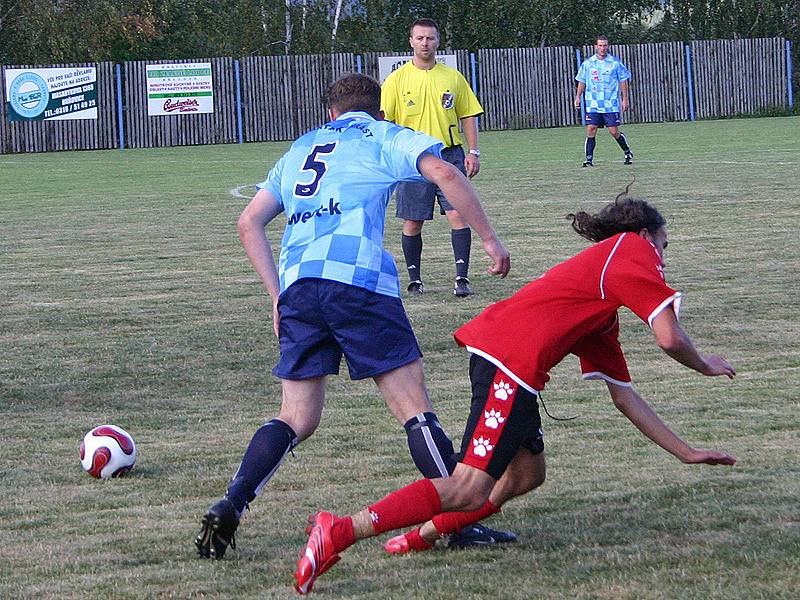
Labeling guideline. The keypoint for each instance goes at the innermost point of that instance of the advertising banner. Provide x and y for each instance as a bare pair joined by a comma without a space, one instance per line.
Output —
179,89
51,94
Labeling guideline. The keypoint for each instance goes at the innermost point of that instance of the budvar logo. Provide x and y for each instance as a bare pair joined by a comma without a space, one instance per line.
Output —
303,216
181,105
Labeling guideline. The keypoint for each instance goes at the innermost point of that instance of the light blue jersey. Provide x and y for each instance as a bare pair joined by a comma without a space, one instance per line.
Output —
334,185
602,79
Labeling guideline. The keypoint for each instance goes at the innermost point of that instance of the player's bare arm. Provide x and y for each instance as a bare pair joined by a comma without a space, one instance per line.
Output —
623,89
644,418
252,232
675,342
579,93
464,199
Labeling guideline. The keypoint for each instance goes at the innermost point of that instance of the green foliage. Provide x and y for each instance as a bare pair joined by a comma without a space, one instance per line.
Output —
53,31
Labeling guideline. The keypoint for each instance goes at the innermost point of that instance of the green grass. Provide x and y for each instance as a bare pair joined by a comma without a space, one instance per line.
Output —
126,298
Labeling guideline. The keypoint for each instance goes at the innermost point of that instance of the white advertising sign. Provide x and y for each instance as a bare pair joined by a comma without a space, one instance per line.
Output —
179,89
51,94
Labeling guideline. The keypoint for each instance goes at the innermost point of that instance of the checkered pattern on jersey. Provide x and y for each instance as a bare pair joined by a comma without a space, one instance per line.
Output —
334,184
602,79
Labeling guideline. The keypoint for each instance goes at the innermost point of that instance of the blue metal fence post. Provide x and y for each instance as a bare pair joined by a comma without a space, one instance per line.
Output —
690,81
358,64
474,80
238,100
579,60
790,95
472,71
120,124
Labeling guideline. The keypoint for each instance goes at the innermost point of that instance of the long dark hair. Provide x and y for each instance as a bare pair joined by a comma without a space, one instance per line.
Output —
625,213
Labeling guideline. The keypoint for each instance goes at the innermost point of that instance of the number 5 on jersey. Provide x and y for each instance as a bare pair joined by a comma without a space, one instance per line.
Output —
318,166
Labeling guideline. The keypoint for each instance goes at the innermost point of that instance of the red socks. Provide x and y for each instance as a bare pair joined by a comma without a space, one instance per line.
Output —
342,533
415,541
415,503
450,522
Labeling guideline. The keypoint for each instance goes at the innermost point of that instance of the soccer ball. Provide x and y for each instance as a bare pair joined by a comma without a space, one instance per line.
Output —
107,451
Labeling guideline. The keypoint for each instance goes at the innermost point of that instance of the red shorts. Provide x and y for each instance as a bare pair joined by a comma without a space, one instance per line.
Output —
504,418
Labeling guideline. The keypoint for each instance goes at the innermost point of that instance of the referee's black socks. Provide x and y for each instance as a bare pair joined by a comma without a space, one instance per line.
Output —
412,252
462,243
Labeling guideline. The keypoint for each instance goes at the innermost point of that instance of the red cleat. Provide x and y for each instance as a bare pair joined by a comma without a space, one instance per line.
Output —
319,554
407,542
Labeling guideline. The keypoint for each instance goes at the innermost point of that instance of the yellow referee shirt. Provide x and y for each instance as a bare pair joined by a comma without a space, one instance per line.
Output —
429,100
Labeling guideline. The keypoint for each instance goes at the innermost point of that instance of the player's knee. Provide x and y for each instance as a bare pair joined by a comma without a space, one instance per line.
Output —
534,479
468,489
466,496
412,227
304,425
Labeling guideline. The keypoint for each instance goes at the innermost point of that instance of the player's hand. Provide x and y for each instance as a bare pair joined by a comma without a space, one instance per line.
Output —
710,457
716,365
577,104
472,165
625,105
501,259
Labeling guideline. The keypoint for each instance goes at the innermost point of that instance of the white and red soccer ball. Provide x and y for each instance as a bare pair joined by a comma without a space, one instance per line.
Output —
107,451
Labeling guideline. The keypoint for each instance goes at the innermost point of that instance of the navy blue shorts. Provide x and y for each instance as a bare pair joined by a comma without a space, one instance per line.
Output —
603,119
321,320
415,200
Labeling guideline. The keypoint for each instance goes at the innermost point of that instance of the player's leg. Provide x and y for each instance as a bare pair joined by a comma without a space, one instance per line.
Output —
329,535
613,121
406,395
308,353
591,133
414,206
525,473
301,410
503,437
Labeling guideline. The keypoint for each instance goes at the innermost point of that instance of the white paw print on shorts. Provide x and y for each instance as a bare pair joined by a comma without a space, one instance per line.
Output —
482,447
502,390
493,418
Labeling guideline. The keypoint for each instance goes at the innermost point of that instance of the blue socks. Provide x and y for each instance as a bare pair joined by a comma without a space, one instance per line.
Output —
430,447
268,447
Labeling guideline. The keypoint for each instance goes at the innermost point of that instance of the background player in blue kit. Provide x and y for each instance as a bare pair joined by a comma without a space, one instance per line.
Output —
336,290
604,79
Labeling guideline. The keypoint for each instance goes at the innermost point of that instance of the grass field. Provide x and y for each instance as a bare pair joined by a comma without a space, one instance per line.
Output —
127,299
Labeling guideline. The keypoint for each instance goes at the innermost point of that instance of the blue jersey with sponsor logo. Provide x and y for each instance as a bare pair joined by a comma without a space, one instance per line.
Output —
334,185
602,79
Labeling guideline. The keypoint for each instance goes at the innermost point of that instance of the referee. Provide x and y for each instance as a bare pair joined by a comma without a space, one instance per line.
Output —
432,98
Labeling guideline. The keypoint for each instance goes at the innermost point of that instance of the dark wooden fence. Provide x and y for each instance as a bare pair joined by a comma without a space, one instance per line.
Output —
143,131
282,96
739,77
521,88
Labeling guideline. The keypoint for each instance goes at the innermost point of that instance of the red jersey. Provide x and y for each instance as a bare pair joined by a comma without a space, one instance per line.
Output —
572,308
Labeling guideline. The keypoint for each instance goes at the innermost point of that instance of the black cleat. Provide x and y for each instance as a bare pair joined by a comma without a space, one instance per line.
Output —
462,288
479,535
628,159
588,163
415,288
219,526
